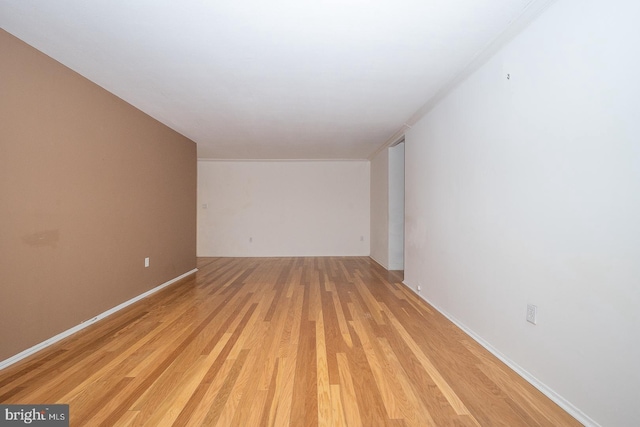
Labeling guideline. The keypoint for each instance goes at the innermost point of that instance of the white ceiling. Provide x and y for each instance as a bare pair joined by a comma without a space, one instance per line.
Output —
277,79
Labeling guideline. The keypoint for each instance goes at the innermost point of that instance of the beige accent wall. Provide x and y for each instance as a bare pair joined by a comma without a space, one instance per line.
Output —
89,187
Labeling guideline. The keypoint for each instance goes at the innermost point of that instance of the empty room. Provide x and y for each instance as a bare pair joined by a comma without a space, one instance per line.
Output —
332,213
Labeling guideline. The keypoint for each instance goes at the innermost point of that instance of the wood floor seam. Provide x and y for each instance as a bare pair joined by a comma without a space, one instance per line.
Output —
316,341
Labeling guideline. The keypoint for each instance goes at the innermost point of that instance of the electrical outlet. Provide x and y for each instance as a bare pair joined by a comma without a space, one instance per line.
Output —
146,262
532,313
419,288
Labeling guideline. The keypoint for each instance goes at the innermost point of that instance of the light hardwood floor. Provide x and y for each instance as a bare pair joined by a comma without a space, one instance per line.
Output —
275,342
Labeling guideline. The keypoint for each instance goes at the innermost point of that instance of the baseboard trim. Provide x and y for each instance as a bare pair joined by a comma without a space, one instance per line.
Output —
44,344
378,262
542,387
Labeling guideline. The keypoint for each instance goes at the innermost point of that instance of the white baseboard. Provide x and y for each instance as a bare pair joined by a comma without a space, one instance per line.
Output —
542,387
378,262
36,348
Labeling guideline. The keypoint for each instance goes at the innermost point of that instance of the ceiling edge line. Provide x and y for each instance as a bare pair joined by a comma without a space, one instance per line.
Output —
515,27
395,139
529,14
206,159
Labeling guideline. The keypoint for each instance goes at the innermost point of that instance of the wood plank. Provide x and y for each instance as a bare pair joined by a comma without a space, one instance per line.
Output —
347,392
323,384
274,342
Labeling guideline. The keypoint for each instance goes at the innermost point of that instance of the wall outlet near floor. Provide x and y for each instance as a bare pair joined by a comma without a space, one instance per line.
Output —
532,313
419,288
146,262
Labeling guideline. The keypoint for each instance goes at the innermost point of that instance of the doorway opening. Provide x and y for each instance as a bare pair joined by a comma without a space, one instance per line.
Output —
396,206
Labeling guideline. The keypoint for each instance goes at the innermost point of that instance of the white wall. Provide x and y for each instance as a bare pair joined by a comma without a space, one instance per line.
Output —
528,191
387,208
380,208
286,208
396,207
